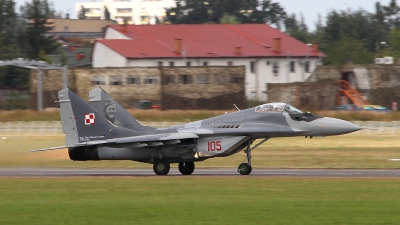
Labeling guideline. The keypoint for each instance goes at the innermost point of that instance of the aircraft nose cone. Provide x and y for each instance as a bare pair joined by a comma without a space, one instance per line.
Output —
332,126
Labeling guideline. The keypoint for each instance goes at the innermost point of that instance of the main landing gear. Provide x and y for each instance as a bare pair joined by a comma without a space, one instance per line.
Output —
162,167
245,168
186,168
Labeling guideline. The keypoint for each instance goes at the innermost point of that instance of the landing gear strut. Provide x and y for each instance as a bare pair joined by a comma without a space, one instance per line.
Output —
186,168
161,167
245,168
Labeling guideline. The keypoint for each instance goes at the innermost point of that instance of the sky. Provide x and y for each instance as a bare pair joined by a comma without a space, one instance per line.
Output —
309,8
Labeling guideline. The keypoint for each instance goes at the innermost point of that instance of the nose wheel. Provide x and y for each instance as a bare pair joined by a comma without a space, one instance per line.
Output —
245,168
186,168
161,167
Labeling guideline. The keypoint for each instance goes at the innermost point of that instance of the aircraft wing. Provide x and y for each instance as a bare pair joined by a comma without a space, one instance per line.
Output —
134,141
143,140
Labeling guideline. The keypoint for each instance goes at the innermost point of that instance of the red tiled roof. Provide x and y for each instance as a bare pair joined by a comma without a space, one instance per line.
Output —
205,40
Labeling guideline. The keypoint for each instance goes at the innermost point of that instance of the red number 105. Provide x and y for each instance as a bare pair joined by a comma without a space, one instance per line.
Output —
214,146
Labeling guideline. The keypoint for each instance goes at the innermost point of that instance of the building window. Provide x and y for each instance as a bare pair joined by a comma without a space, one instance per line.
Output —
171,63
185,79
292,66
219,79
236,79
275,68
307,66
252,66
385,77
150,80
144,19
159,64
202,79
169,79
66,28
95,10
116,80
133,80
267,63
124,10
98,80
188,63
205,63
123,19
230,63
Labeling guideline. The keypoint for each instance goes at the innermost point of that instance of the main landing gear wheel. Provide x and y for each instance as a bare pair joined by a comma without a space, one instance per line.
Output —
161,167
244,169
186,168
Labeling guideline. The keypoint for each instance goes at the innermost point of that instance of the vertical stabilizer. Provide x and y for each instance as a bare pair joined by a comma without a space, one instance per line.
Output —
82,123
113,111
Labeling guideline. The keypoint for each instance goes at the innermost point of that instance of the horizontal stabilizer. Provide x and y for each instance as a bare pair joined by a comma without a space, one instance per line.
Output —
48,149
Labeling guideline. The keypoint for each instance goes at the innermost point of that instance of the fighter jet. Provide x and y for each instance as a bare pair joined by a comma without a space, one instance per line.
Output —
105,131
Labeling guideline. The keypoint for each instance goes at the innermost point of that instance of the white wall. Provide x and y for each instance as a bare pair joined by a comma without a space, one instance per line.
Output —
139,8
105,57
114,34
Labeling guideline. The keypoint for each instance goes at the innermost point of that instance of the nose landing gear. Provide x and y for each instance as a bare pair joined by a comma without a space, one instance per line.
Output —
245,168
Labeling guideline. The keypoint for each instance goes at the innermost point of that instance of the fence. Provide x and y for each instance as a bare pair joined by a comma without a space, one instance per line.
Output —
54,127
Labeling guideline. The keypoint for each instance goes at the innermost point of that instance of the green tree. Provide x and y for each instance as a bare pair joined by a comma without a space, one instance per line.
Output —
297,29
392,13
228,19
348,50
8,30
82,13
107,15
246,11
36,39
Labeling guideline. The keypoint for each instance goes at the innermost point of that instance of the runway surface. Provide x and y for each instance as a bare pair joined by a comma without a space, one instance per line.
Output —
75,172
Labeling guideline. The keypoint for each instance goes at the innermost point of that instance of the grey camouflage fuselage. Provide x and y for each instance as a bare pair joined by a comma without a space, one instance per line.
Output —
219,136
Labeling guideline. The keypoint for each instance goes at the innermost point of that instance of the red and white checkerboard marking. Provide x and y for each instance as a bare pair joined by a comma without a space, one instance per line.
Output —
89,119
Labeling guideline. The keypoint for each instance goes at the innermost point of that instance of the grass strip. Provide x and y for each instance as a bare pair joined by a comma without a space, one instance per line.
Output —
200,200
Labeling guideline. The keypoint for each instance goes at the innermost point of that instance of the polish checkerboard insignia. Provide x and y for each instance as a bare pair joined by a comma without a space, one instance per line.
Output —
89,119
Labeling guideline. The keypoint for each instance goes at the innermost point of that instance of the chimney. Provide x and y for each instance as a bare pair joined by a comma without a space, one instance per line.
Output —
276,46
124,28
178,46
238,50
315,47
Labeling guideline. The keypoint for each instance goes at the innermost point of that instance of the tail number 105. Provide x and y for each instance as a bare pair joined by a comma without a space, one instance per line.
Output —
214,146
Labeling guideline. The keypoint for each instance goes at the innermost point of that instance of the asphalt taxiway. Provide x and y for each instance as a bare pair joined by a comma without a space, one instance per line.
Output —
108,172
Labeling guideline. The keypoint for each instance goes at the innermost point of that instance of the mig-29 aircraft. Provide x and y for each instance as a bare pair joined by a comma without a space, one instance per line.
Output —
104,130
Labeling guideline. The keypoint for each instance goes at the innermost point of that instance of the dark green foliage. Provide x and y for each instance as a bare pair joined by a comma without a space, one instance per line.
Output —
14,101
12,76
82,13
245,11
8,30
107,15
37,14
348,50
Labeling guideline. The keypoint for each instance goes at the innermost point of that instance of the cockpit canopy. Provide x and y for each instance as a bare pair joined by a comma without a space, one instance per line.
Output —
277,107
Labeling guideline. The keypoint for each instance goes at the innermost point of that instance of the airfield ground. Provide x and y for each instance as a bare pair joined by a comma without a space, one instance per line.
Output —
208,200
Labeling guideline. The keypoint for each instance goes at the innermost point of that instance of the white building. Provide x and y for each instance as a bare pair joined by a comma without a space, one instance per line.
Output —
132,11
269,55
